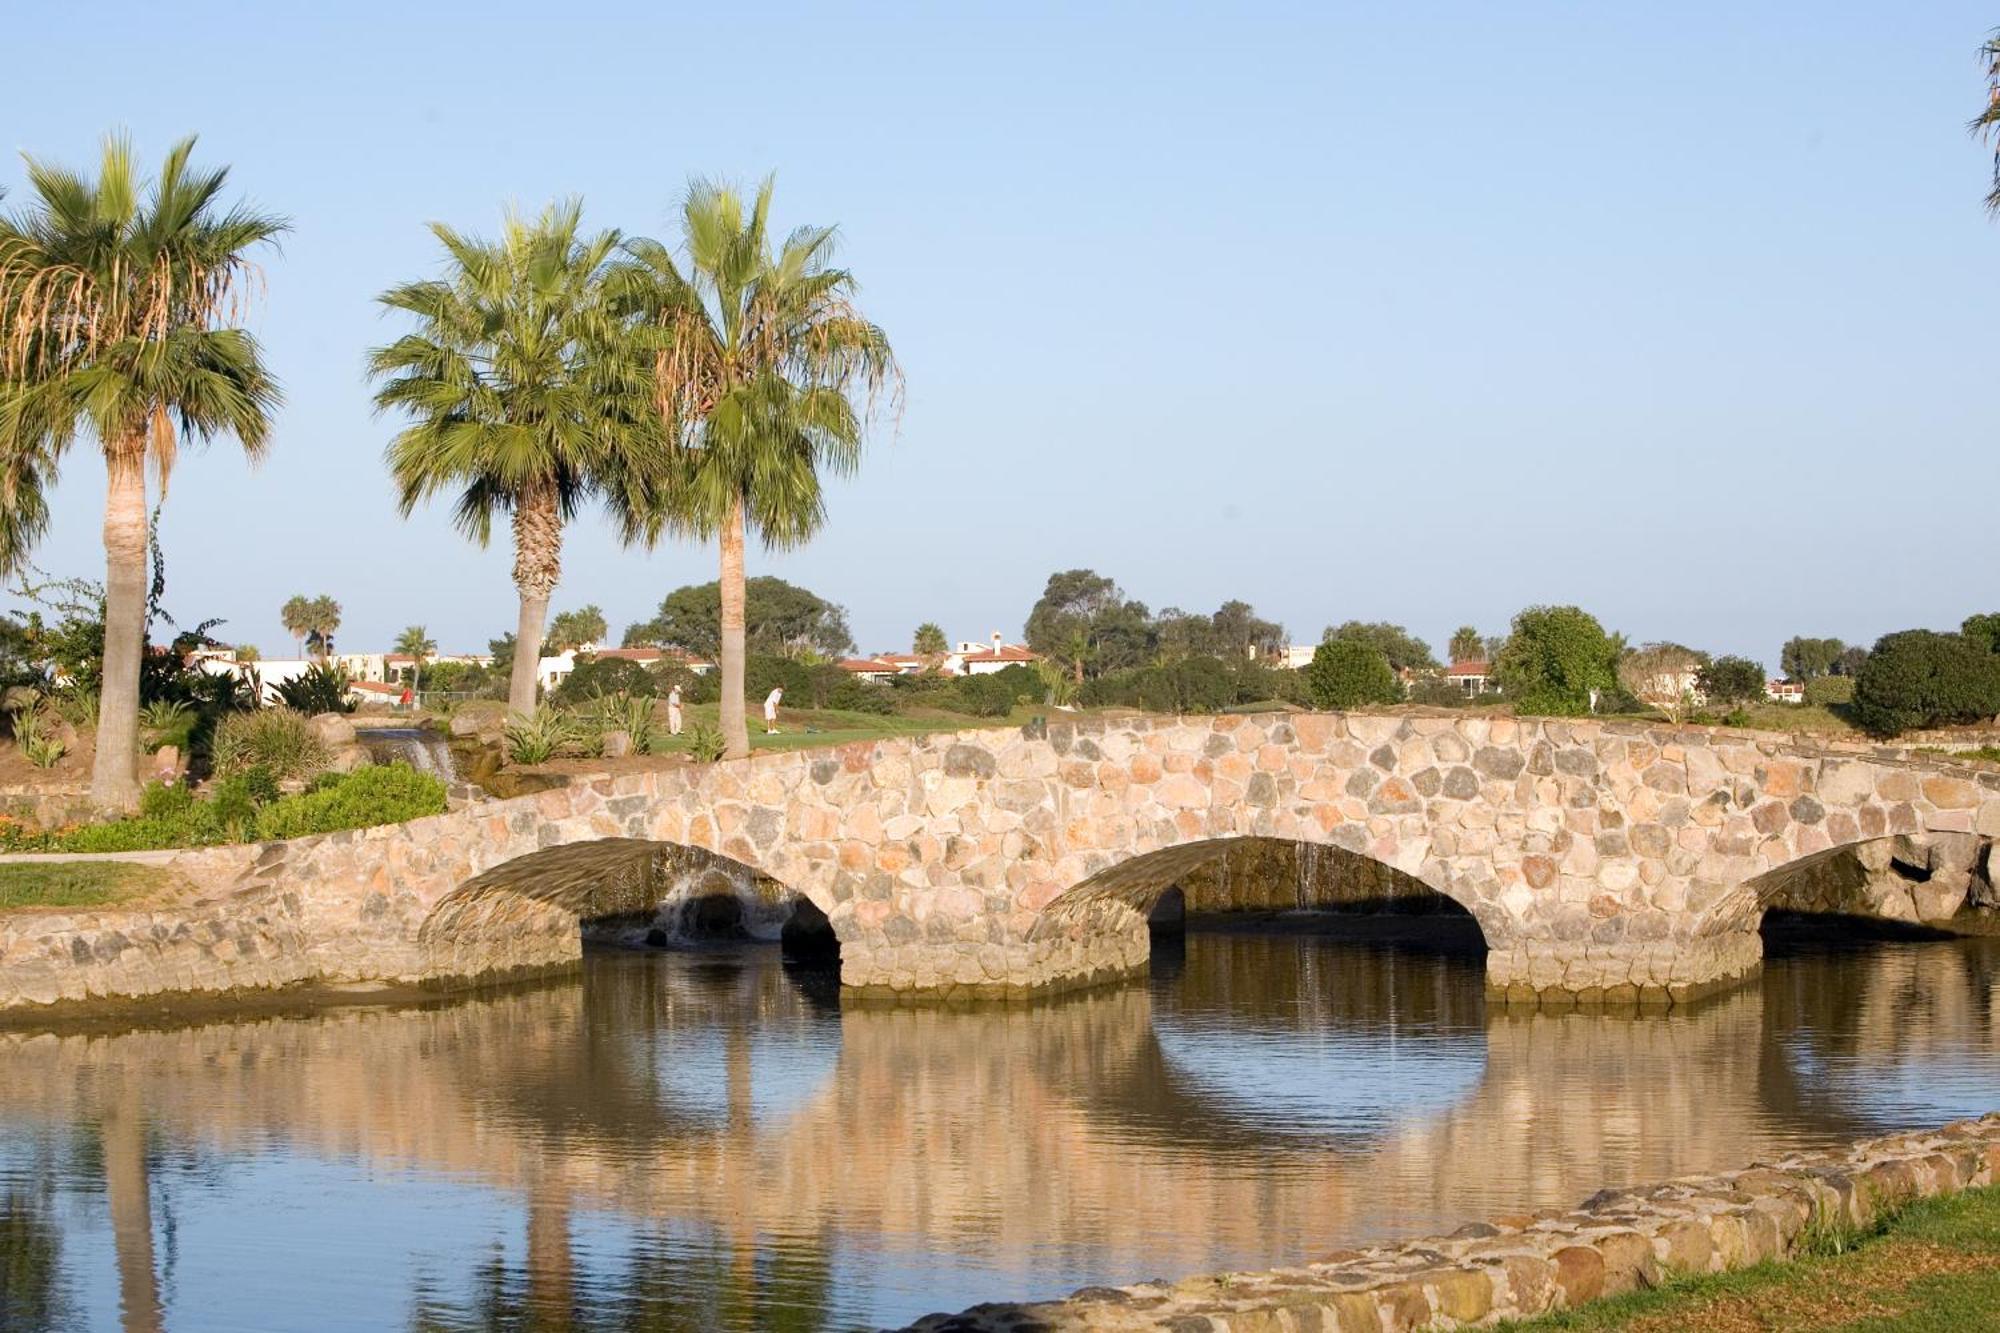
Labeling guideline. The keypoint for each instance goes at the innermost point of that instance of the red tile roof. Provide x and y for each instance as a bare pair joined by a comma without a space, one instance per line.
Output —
1469,669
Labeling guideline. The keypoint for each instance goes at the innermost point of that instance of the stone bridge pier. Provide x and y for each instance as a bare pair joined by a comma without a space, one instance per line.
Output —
1602,861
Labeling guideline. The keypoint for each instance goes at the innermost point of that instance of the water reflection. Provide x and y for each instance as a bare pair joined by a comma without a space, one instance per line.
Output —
694,1142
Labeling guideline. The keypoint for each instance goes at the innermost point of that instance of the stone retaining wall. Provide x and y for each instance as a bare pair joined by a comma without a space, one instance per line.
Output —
1520,1267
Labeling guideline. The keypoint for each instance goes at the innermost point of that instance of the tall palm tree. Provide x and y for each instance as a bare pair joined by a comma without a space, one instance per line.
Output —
322,619
122,301
297,617
759,359
524,396
417,642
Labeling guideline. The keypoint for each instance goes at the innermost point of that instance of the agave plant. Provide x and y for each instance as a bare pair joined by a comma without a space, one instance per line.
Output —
705,744
40,747
627,712
320,688
536,738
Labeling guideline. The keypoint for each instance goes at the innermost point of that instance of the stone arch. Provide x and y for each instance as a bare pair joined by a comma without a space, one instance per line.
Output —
1936,880
1105,915
524,915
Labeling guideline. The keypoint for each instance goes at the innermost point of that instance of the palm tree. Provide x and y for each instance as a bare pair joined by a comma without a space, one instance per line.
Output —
759,357
930,643
574,629
417,642
297,617
121,303
524,398
322,619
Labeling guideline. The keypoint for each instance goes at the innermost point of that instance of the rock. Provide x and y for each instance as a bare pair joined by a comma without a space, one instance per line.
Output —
333,729
347,758
166,764
617,744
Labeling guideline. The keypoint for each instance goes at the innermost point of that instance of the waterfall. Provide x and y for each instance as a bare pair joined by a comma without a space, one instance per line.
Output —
420,748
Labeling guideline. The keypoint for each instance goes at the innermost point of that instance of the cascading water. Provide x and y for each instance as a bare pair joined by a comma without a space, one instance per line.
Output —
725,900
421,749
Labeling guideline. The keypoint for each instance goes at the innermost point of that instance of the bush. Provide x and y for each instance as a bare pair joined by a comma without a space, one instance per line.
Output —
982,696
380,794
321,688
629,713
1920,678
595,676
1830,691
705,743
1554,660
1438,692
856,695
1347,673
276,739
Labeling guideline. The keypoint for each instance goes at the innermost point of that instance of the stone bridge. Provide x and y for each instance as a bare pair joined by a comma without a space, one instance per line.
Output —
1601,860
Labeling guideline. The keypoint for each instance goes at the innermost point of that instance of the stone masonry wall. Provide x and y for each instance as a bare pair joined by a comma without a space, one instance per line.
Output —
1519,1267
1602,861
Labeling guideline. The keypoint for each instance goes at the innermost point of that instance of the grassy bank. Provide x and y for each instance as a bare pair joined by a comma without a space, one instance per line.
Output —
1933,1268
77,884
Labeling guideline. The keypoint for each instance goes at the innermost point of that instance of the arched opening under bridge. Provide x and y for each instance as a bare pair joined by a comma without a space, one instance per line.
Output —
539,909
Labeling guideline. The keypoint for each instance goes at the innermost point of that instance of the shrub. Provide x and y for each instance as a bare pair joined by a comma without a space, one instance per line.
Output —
537,738
1554,660
1438,692
596,676
276,739
861,696
321,688
1347,673
1920,678
1830,691
982,696
379,794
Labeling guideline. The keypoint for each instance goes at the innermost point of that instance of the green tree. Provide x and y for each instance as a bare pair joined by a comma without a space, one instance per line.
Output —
421,647
1982,630
1808,659
296,614
1663,676
768,375
1732,680
780,620
1466,645
1404,650
1350,673
575,629
120,299
1084,620
1236,630
524,396
930,643
1556,660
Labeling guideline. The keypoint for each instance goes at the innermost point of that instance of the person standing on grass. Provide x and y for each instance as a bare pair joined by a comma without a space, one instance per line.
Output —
674,711
771,701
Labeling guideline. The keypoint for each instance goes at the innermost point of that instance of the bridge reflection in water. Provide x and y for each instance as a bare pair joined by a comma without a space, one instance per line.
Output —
707,1141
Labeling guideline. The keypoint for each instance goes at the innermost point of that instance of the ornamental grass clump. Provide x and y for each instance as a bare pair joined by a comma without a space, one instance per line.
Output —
276,739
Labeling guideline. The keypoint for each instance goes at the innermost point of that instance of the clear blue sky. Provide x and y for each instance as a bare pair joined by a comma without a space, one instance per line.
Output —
1416,312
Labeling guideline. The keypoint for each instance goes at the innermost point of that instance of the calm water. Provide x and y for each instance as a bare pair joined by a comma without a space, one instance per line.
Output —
705,1141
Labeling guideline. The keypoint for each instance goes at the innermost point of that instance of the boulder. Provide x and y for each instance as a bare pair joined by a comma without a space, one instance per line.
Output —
617,744
347,758
482,718
333,729
166,765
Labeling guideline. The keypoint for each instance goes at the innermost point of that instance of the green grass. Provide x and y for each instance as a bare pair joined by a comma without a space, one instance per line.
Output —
1933,1268
76,884
1988,753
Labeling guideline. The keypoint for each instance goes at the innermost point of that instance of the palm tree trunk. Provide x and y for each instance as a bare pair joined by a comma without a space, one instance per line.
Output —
537,566
114,776
735,729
